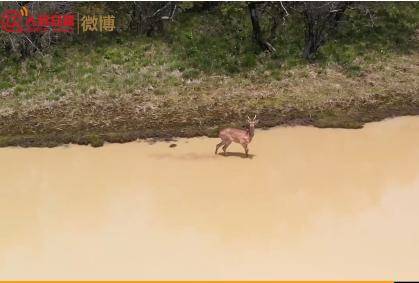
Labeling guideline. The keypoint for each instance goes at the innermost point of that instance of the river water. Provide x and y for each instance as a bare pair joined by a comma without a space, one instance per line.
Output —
309,204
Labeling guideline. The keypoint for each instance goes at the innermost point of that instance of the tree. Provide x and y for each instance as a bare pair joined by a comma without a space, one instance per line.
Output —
257,32
149,17
321,20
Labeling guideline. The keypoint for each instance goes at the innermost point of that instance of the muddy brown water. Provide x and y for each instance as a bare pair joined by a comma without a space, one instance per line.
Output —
310,204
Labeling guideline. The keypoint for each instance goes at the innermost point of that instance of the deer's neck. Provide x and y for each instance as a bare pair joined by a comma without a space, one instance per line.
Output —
251,132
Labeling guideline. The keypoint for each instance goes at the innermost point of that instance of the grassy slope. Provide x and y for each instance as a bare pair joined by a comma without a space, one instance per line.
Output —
121,89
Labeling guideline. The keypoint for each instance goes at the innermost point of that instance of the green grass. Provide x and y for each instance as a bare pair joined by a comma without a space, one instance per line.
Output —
198,48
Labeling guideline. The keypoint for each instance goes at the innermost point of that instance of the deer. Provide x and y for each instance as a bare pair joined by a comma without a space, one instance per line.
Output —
243,137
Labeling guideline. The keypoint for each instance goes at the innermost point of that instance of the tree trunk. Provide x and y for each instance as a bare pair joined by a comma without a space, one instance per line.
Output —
320,22
257,33
314,36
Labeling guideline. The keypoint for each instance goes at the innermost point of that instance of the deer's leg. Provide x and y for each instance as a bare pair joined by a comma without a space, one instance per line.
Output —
246,149
226,144
218,146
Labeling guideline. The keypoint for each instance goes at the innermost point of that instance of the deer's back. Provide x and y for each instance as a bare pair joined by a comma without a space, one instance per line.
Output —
236,135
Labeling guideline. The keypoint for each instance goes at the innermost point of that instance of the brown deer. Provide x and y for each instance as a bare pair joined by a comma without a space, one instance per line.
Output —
243,137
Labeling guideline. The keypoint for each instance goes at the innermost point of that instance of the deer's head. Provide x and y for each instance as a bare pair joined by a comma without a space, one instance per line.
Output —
252,122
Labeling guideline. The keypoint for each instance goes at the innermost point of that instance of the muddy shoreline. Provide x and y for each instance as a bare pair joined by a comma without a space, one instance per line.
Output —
96,121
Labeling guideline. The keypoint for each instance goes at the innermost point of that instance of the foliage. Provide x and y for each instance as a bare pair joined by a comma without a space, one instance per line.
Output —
215,37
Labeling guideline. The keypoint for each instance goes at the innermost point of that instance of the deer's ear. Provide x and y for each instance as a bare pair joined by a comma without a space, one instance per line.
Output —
256,121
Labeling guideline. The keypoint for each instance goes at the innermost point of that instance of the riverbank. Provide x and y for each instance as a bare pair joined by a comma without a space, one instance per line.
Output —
306,95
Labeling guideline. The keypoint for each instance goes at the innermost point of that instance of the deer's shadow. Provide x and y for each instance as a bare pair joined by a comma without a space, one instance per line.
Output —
237,154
